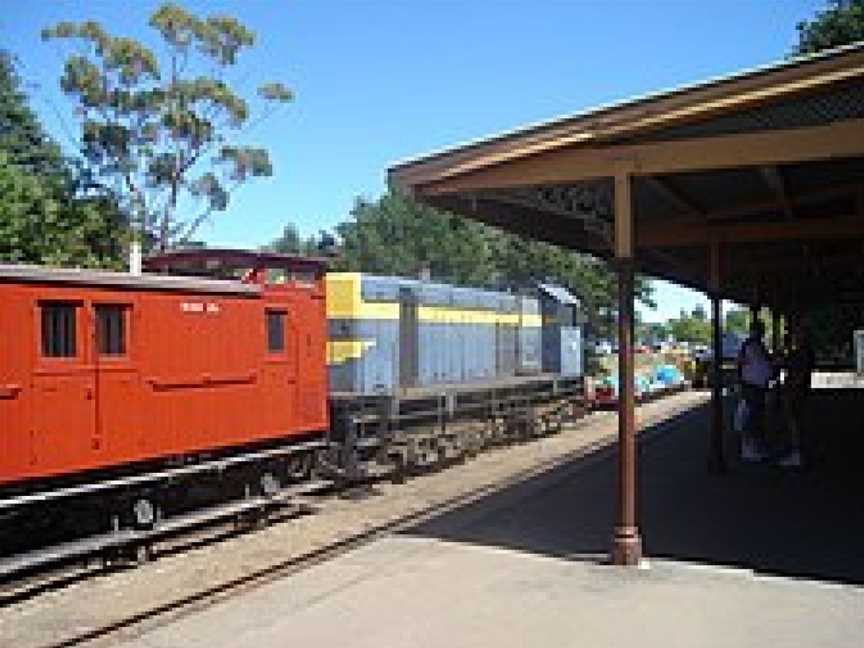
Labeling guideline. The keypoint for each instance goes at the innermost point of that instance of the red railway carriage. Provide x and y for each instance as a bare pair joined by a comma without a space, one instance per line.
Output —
100,369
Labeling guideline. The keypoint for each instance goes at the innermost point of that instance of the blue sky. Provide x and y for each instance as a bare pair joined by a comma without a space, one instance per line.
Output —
381,81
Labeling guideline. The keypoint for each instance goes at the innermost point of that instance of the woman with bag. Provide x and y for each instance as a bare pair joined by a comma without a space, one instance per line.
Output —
755,370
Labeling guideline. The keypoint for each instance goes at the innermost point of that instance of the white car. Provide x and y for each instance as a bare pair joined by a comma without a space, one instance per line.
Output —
603,347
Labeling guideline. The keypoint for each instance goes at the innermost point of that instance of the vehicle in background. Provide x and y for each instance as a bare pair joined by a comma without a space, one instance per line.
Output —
704,360
700,351
602,347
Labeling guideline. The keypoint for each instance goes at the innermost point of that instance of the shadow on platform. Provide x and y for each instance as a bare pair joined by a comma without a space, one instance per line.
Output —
764,518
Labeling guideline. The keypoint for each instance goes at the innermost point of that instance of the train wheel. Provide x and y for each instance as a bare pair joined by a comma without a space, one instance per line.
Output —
269,484
299,466
144,513
143,554
400,471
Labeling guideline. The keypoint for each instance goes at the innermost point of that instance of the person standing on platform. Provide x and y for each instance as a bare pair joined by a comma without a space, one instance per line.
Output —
755,370
799,363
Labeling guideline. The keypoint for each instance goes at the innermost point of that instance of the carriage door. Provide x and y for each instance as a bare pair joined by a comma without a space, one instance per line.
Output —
64,387
116,411
409,350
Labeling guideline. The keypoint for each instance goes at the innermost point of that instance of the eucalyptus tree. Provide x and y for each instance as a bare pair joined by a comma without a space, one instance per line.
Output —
162,130
841,22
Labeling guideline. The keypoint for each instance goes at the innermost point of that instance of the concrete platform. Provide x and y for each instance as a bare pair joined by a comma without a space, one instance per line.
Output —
423,592
757,516
759,556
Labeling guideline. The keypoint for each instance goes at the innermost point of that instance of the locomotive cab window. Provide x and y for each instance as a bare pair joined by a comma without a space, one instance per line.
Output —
111,329
276,331
59,329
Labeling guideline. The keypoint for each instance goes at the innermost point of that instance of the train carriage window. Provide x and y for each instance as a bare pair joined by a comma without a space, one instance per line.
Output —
111,329
306,277
276,331
59,330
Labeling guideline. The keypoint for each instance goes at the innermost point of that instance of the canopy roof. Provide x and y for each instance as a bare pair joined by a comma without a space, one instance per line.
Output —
767,164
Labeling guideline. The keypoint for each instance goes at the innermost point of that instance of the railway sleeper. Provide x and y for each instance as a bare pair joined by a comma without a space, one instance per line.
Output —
449,447
498,431
520,427
472,438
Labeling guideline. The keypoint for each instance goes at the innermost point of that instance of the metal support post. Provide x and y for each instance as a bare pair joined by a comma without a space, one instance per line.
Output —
627,543
776,341
716,459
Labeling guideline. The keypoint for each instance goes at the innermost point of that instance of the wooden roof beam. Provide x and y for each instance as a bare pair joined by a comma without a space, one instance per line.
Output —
526,222
842,139
699,233
823,194
672,196
774,179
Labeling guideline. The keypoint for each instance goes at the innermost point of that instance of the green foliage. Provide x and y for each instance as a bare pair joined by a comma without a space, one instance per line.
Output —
693,327
841,23
42,223
396,235
22,138
155,129
737,321
290,242
42,217
653,332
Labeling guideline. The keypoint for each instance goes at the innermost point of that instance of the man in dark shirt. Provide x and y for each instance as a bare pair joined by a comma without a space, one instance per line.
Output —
799,363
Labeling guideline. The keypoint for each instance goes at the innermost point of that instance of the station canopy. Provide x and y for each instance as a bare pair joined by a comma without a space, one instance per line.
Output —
765,167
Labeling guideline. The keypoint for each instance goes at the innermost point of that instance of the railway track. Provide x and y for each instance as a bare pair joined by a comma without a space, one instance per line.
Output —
174,607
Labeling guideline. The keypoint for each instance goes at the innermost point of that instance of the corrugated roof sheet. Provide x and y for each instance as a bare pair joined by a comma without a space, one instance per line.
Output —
559,294
123,280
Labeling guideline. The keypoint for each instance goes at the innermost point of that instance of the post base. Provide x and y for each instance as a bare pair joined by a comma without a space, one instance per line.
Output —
626,546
